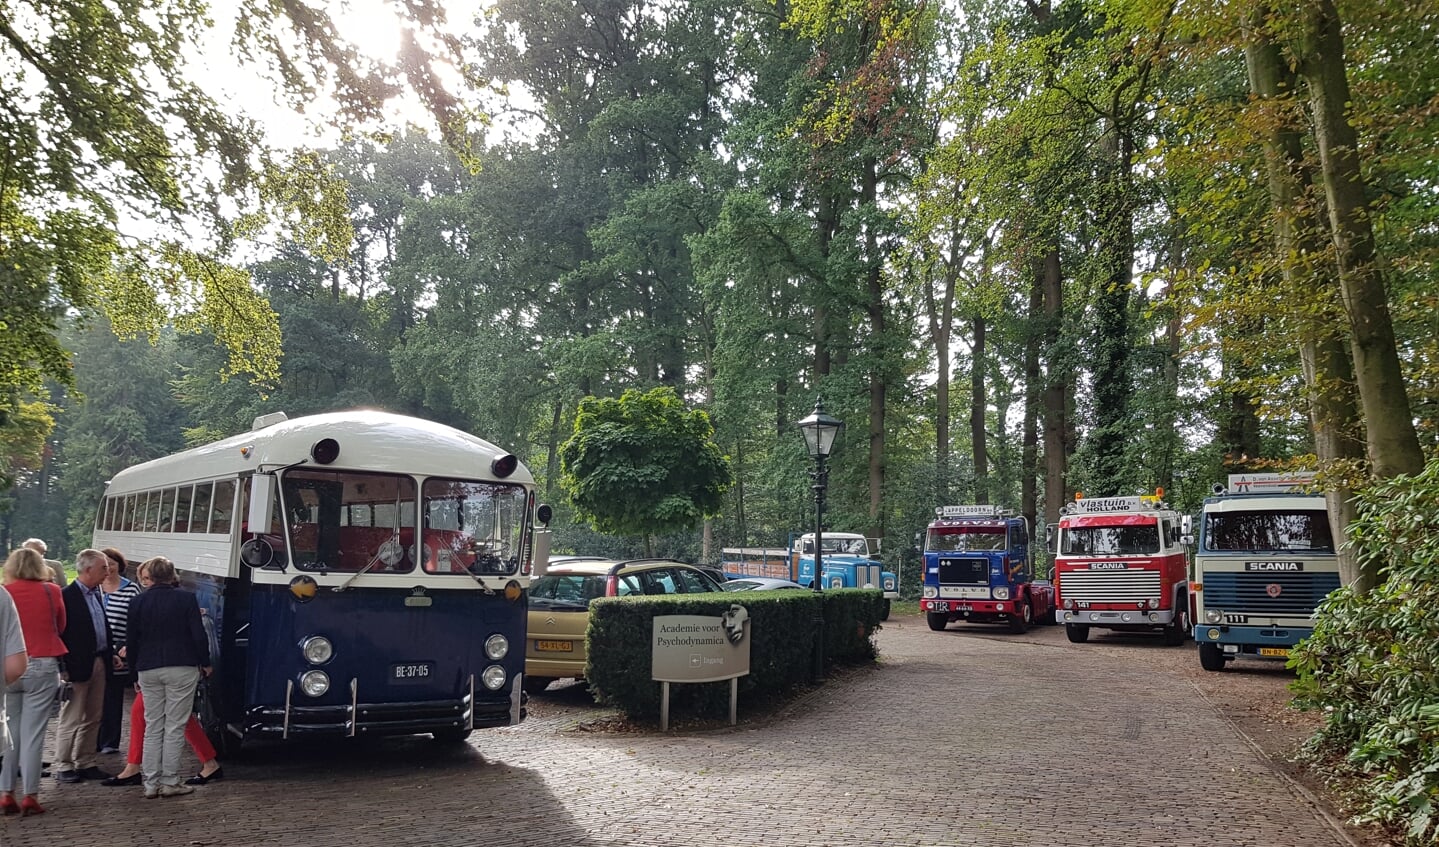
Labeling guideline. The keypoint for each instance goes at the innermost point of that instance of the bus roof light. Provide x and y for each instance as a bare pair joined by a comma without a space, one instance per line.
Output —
325,451
504,465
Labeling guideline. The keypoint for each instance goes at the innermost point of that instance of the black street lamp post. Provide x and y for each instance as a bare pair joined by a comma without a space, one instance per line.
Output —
820,430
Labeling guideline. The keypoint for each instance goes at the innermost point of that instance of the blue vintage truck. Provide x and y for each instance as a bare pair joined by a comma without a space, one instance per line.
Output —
978,568
849,560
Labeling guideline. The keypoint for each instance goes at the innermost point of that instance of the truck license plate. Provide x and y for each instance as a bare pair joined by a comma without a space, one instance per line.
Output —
1274,651
555,646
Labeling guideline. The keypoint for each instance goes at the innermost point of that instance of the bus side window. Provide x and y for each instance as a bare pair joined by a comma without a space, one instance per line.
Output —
200,509
182,509
223,506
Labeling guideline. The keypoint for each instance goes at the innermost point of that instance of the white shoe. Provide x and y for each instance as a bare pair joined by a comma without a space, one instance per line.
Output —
176,790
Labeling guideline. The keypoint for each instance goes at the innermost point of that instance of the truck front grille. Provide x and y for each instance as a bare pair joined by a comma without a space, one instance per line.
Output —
1126,586
1249,593
963,571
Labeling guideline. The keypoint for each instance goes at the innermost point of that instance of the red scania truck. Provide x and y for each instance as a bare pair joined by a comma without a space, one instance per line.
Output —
1120,563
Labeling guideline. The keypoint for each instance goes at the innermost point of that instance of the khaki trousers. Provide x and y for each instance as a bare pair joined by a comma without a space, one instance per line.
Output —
80,722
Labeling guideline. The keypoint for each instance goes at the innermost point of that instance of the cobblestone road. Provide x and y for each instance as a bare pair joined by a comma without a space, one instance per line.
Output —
969,737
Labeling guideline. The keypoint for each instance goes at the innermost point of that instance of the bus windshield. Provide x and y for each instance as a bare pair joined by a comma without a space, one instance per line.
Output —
1258,532
978,539
1110,540
349,522
473,527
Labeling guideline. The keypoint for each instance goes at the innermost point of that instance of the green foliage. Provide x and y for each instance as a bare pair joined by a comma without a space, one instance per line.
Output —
782,633
643,464
1372,664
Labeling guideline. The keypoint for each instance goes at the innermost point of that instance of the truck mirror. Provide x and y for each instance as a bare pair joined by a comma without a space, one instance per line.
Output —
1051,538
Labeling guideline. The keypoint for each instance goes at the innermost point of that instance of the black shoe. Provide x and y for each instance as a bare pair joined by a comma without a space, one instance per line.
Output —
93,772
201,779
68,776
132,779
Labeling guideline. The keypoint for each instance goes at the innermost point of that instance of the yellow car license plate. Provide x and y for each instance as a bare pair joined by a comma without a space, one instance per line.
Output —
1274,651
555,646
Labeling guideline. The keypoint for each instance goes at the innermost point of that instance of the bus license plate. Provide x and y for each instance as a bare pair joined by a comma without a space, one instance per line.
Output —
555,646
1281,652
412,671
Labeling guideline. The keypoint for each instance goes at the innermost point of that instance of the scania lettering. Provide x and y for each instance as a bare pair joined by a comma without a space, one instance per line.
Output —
1266,559
1120,564
978,568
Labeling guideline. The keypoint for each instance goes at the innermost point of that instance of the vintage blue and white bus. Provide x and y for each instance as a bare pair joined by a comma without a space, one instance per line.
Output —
363,573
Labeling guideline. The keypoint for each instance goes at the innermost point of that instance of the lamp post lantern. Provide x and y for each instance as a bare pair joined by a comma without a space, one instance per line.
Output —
820,430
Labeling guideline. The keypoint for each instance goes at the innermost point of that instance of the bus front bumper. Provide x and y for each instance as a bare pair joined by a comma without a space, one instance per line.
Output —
375,719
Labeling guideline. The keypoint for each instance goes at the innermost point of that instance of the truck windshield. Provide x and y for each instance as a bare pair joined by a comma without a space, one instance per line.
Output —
1110,540
977,539
1258,532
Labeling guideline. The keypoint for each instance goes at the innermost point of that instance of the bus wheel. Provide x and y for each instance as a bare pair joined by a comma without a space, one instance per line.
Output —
937,620
451,736
1077,633
1211,658
1022,617
884,610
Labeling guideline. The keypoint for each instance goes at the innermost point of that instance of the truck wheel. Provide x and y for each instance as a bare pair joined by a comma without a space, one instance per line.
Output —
1020,620
1211,658
1077,633
1178,629
884,610
937,620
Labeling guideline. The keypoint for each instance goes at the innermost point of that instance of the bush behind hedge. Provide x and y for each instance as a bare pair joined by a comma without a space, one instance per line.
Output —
783,628
1372,664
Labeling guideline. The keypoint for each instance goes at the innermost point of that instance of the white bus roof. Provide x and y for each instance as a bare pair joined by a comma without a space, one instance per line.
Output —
369,440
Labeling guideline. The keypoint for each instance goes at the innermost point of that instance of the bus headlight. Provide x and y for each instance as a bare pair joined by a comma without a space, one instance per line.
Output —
1001,592
314,683
318,650
494,677
496,646
931,591
1213,616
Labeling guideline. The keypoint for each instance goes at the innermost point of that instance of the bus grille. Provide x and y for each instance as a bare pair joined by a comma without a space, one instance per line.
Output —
1126,586
1248,594
960,571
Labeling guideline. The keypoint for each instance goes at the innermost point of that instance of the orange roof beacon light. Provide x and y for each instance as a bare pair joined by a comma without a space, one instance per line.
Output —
1159,493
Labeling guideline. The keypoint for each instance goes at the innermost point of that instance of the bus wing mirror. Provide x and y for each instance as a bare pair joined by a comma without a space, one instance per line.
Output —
262,503
540,564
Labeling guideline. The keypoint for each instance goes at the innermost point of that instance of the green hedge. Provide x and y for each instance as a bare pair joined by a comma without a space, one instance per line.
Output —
1372,664
782,632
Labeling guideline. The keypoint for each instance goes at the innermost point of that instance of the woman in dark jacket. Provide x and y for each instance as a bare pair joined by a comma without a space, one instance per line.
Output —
167,647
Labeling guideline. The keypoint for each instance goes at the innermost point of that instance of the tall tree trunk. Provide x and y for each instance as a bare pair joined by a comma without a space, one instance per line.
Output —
978,403
552,450
879,343
1112,387
826,222
1029,451
1298,236
940,315
1392,441
1058,378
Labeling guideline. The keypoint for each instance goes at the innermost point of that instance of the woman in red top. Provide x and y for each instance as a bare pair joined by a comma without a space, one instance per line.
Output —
28,700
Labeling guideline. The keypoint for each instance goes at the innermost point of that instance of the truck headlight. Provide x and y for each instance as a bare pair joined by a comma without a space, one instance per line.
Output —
931,591
1213,616
888,584
1001,592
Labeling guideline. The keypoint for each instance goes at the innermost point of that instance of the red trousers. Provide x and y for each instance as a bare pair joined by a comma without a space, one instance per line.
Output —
199,742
